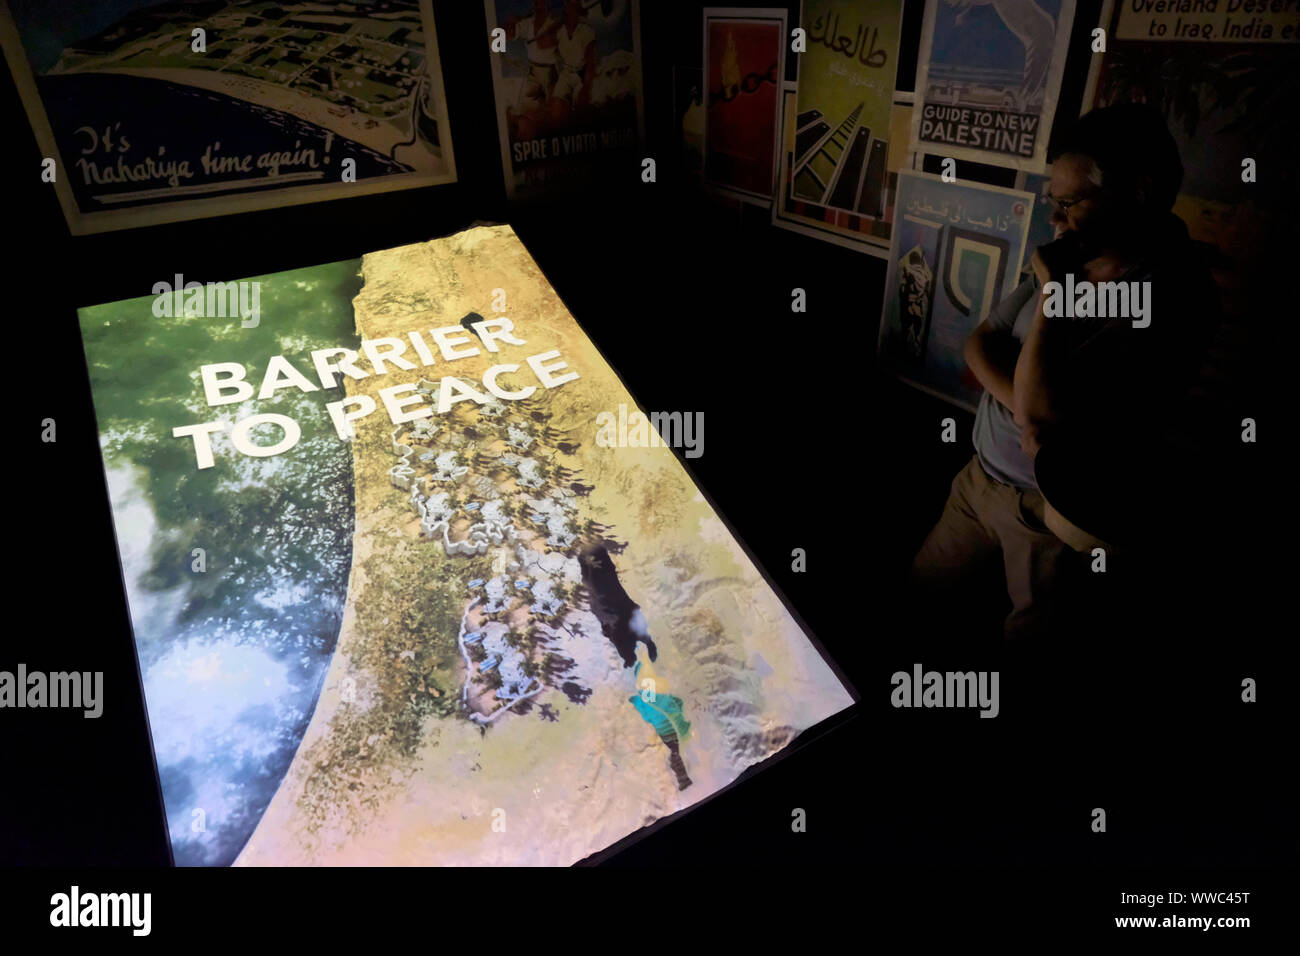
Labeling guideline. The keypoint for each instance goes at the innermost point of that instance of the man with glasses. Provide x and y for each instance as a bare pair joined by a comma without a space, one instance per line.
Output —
1079,382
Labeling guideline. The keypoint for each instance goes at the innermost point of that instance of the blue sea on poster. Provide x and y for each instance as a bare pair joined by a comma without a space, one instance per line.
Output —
1041,228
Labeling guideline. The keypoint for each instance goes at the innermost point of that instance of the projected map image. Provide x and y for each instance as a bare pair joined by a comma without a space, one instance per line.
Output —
602,650
490,481
528,647
236,575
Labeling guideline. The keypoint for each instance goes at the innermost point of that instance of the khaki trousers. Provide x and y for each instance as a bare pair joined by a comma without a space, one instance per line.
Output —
982,517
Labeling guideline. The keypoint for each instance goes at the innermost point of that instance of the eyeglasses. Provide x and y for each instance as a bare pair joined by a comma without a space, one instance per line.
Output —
1065,204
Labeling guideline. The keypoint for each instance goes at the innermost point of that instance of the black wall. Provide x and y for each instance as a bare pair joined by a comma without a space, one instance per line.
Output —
807,445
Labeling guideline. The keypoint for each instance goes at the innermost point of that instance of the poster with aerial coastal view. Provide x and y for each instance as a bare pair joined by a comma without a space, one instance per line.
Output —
988,78
567,79
149,112
414,581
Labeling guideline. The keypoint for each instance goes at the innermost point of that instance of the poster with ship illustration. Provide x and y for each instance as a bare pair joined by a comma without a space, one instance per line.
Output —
152,112
568,93
393,601
988,78
745,55
957,253
843,139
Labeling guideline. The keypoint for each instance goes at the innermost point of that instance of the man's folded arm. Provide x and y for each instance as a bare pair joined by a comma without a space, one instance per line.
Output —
1036,382
990,353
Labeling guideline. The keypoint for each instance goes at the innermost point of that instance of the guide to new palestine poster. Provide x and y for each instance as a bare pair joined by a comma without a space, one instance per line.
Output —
393,602
988,77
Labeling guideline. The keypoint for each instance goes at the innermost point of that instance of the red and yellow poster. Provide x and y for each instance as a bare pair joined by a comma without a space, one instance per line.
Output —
744,54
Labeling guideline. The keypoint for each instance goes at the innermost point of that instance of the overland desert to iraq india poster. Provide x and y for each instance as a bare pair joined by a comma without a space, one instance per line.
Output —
394,599
155,113
840,144
1227,82
567,78
988,78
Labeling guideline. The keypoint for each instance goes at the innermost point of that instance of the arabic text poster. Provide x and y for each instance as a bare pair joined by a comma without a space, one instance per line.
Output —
568,93
988,78
957,252
1042,229
835,176
164,112
745,54
439,619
